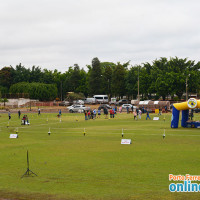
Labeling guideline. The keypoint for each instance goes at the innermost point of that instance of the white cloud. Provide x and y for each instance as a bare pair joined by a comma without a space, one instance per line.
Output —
58,33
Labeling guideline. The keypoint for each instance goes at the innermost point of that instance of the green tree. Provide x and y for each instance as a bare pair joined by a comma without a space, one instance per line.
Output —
132,82
6,77
118,80
21,74
161,76
107,70
180,69
41,91
95,78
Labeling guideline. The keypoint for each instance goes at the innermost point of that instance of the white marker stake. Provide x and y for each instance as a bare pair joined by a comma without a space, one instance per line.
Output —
164,134
49,131
122,133
60,120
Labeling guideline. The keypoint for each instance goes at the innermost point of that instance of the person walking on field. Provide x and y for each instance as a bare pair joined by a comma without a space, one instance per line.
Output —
135,115
140,114
148,115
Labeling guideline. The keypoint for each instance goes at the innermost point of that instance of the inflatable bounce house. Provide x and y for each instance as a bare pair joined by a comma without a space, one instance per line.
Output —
184,107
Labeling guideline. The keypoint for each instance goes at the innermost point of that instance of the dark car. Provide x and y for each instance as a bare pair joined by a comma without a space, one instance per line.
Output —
102,106
122,101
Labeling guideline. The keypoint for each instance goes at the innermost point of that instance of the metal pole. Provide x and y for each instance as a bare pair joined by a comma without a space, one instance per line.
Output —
61,90
186,89
138,86
108,90
30,104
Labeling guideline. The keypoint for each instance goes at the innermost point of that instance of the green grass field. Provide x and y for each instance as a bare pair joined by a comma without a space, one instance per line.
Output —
97,166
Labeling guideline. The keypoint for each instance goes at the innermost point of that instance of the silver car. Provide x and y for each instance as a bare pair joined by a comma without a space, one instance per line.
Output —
77,108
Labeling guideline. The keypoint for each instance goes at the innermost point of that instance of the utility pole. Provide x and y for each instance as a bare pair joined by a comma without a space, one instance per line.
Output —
61,90
186,89
108,90
138,86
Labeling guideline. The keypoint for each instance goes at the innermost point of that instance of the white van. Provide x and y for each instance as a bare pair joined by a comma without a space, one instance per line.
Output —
101,98
90,101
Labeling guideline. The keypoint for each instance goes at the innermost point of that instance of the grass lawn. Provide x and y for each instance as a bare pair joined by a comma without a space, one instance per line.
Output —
97,166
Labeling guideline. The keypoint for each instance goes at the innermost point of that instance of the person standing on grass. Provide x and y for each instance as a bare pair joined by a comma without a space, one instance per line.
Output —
99,113
135,115
38,111
86,114
160,111
140,114
9,115
110,113
92,116
106,113
148,115
127,109
94,113
19,113
89,114
113,113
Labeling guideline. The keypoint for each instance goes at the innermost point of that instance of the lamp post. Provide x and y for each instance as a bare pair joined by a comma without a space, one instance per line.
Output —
138,85
61,90
186,84
30,104
186,89
108,90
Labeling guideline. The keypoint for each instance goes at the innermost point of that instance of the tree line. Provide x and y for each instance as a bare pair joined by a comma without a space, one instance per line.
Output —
158,79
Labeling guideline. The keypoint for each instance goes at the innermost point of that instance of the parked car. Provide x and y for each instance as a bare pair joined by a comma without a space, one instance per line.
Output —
122,101
77,108
102,106
64,103
78,102
124,106
113,101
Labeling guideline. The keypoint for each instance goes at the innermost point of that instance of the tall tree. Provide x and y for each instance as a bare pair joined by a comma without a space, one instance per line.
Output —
107,69
131,82
95,77
6,76
21,74
118,80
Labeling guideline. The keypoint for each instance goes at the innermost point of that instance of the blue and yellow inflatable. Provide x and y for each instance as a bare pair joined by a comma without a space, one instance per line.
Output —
184,107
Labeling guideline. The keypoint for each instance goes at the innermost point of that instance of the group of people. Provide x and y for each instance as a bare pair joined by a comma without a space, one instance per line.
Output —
25,120
91,114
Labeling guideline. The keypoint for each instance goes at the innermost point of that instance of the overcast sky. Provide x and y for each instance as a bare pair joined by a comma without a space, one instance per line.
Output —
56,34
